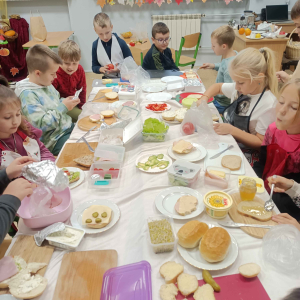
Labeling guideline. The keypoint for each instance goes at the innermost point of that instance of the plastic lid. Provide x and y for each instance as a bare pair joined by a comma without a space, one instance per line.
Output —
217,200
133,129
184,169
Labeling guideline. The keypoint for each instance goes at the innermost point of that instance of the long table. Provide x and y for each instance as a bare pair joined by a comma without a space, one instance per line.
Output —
135,198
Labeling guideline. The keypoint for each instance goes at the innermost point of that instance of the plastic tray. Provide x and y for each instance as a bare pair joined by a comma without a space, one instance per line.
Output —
112,152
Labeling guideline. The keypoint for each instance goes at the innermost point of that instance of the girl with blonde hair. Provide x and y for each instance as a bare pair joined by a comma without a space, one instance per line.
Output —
252,99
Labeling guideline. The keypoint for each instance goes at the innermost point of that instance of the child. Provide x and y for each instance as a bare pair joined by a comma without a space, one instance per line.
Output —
14,193
280,151
108,48
159,57
252,99
41,103
222,40
70,75
294,295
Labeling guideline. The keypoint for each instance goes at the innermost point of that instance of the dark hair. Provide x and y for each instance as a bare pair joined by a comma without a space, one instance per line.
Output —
159,27
4,81
295,12
295,294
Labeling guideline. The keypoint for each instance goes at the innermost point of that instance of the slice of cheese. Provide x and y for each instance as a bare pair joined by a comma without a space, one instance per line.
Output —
100,209
182,146
218,173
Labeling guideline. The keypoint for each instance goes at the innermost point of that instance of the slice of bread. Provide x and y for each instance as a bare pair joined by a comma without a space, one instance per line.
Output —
95,118
182,147
215,118
232,162
168,292
85,160
180,114
249,270
187,284
111,95
107,113
75,176
170,271
255,210
204,292
198,96
34,267
185,205
169,115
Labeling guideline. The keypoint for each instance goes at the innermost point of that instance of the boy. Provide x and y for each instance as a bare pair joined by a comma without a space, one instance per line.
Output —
108,48
159,57
222,40
70,75
41,103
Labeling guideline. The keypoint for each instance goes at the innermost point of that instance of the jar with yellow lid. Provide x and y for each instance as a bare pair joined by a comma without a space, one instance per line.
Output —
248,189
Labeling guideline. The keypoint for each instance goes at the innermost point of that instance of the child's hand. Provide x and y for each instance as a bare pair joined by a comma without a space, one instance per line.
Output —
19,188
286,219
116,70
281,184
203,98
70,103
15,168
207,66
223,129
282,76
104,69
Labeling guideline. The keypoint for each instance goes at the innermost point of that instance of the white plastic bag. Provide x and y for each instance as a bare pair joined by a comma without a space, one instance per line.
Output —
281,249
39,204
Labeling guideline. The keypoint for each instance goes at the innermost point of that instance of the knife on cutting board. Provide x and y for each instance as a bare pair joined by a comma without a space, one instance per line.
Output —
218,154
237,225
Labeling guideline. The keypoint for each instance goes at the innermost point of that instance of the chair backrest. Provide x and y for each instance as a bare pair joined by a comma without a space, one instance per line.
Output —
142,55
173,54
136,54
191,40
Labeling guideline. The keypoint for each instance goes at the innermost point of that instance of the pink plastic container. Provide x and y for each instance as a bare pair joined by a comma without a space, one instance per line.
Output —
63,212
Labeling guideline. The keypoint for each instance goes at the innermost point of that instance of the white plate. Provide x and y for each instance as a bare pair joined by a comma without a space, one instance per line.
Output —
153,87
143,158
171,79
78,211
194,258
170,122
117,104
158,97
78,182
7,297
168,108
250,38
166,200
195,155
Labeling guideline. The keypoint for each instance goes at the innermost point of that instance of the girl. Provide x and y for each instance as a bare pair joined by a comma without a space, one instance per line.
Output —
17,137
252,99
280,151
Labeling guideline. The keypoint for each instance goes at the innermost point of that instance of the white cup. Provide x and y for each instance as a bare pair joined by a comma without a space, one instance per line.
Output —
252,35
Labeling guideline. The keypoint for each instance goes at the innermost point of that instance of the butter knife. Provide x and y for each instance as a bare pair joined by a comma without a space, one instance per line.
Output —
83,137
77,93
237,225
218,154
87,143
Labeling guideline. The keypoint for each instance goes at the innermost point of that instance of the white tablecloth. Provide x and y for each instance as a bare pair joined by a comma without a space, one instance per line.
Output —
135,198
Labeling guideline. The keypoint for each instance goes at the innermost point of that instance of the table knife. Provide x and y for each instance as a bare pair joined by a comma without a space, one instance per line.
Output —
86,134
77,93
237,225
87,143
218,154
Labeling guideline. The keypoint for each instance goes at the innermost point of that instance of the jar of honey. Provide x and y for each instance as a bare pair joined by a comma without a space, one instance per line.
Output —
248,189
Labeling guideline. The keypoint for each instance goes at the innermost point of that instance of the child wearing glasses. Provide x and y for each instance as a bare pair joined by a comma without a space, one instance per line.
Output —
159,57
108,48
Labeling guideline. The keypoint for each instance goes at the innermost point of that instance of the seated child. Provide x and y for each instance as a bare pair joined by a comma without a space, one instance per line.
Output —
108,48
41,102
252,99
13,194
280,151
222,40
70,75
159,57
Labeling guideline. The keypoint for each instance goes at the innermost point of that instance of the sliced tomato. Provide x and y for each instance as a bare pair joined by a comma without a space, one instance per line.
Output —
157,107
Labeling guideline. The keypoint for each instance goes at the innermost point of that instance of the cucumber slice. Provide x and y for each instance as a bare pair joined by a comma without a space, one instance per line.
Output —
147,163
141,164
162,167
160,156
146,168
152,157
154,166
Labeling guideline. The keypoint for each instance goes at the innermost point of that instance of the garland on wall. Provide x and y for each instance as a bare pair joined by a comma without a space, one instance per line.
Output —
141,2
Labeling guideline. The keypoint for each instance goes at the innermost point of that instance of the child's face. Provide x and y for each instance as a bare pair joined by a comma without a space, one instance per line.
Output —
246,86
297,23
46,78
287,110
104,33
218,49
161,41
70,67
10,120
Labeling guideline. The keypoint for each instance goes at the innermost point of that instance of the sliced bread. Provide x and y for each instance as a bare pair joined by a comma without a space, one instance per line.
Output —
85,160
169,115
180,114
232,162
95,118
185,205
255,210
187,284
111,95
182,147
107,113
204,292
170,271
168,291
198,96
249,270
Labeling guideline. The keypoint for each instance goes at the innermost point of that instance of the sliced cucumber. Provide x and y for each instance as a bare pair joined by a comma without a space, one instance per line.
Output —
160,156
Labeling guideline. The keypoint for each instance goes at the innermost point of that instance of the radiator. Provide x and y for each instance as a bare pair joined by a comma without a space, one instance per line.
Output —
179,25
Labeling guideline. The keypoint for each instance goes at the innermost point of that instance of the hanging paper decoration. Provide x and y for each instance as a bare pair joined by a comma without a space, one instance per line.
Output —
227,1
239,0
101,3
139,2
14,71
188,1
205,1
121,2
159,2
130,2
178,1
111,2
149,1
169,1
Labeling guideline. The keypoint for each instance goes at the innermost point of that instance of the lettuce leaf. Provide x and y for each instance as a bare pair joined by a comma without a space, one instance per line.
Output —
153,125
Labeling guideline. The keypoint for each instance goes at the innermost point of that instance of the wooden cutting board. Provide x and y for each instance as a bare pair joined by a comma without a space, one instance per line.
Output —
238,218
72,151
85,124
101,94
81,274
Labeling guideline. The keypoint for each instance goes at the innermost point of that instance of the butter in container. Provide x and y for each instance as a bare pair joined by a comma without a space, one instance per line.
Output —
218,177
183,173
217,204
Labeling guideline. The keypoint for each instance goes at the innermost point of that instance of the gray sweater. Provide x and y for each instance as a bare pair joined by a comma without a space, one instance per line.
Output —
9,206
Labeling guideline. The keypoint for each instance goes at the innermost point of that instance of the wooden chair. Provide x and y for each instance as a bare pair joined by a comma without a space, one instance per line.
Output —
136,54
188,41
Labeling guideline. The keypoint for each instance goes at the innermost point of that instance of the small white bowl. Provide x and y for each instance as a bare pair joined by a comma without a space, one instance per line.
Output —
281,36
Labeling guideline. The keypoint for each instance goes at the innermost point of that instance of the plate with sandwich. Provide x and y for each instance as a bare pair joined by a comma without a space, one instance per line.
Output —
180,203
174,116
182,149
95,216
75,176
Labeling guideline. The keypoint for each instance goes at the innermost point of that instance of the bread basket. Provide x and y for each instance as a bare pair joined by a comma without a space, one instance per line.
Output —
293,48
6,28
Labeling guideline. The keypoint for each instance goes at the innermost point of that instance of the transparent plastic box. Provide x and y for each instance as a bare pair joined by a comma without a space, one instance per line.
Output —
110,152
216,182
163,247
154,137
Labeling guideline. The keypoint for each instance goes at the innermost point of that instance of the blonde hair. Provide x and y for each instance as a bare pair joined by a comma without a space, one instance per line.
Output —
224,35
37,58
296,82
250,62
102,20
69,50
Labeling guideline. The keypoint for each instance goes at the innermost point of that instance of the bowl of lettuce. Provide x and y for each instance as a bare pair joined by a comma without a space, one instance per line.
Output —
154,130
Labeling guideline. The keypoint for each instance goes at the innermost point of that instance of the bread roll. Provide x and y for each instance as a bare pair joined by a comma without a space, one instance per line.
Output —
191,233
111,95
249,270
107,113
187,284
215,244
170,271
204,292
169,115
168,291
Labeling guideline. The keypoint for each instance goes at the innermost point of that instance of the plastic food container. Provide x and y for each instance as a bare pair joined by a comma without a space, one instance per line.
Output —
154,137
187,102
221,183
217,204
68,246
161,247
109,152
183,173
